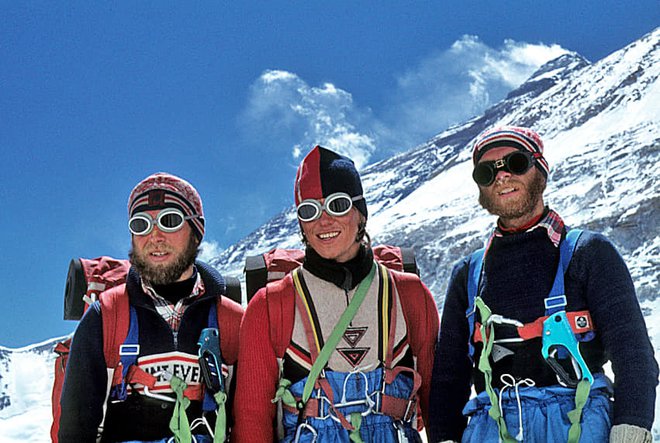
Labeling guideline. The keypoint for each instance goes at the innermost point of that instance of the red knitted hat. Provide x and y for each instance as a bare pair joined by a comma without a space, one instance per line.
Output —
523,139
163,190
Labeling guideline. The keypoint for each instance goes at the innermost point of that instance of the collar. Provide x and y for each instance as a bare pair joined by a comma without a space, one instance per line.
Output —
344,275
550,221
197,289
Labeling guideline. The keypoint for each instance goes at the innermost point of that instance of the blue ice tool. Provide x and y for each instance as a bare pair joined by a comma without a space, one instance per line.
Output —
557,333
210,359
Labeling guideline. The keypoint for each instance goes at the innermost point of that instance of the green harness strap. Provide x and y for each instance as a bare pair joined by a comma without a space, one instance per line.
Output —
581,397
332,342
347,316
488,335
179,424
220,431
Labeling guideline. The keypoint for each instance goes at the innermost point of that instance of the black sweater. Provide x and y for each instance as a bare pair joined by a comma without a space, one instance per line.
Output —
139,417
519,272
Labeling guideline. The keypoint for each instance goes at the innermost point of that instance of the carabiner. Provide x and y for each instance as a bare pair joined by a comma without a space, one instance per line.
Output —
307,426
557,333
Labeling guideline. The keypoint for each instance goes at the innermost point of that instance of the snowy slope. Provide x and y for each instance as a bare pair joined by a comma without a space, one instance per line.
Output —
601,127
26,381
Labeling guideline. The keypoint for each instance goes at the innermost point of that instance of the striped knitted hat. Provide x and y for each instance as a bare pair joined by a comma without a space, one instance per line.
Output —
163,190
323,172
523,139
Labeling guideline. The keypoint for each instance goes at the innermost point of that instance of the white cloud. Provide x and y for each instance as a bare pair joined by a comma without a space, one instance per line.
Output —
287,108
451,86
209,250
446,88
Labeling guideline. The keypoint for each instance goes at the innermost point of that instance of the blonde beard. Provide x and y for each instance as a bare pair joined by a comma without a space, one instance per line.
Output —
524,206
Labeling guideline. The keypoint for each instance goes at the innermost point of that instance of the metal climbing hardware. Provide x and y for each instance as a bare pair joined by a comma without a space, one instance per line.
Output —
557,333
499,320
210,359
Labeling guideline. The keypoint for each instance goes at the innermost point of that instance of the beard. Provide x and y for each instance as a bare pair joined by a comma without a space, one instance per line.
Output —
520,207
165,274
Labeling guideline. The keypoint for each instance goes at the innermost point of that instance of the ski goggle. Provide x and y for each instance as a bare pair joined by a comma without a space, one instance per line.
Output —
167,220
517,162
336,204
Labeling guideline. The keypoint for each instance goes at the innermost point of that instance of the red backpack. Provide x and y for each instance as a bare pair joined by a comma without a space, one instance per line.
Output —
276,263
89,280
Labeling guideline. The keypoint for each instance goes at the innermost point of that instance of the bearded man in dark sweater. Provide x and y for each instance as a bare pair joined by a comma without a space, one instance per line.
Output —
172,298
520,396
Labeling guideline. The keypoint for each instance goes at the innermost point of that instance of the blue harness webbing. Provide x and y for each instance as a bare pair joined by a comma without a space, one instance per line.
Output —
554,302
130,350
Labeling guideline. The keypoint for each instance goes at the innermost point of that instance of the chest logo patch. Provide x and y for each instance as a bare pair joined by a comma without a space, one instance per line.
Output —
354,355
353,335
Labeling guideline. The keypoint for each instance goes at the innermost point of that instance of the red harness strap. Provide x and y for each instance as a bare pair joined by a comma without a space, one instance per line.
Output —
580,323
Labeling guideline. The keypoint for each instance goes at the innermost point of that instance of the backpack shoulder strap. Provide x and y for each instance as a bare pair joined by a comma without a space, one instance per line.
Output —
567,247
475,266
556,300
281,311
116,319
416,310
229,315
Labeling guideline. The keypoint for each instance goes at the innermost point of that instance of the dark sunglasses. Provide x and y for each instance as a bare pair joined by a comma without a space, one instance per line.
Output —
517,162
336,204
168,220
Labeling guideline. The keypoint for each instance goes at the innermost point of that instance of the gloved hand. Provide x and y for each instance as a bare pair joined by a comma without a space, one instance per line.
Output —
629,434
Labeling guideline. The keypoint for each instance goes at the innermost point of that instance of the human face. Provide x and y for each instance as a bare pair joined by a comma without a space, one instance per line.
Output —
516,199
164,257
334,238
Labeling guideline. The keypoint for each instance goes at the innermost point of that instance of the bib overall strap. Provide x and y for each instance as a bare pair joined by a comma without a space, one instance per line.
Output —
475,269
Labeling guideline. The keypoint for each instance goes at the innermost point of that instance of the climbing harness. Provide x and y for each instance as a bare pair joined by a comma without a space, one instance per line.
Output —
557,329
367,400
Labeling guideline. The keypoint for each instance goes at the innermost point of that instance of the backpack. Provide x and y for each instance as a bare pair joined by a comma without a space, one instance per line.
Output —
86,280
276,263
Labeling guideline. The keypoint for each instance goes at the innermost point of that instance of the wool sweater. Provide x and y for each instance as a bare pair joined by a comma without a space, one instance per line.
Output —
519,270
259,369
139,417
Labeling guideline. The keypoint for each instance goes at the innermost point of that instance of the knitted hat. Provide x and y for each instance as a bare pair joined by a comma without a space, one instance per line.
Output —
523,139
323,172
163,190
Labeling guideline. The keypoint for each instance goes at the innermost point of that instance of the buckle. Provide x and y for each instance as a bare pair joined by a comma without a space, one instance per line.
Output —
557,301
410,410
129,349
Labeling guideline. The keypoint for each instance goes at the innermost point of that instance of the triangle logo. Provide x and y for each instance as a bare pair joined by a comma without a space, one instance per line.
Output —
353,335
354,356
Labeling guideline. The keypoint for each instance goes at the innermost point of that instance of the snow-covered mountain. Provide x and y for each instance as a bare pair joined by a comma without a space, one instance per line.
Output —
601,126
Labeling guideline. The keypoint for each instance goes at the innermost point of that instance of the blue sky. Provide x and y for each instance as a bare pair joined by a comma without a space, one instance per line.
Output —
94,96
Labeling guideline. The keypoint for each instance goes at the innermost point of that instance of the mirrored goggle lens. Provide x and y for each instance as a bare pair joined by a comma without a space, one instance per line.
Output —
171,221
338,205
308,211
139,225
168,220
